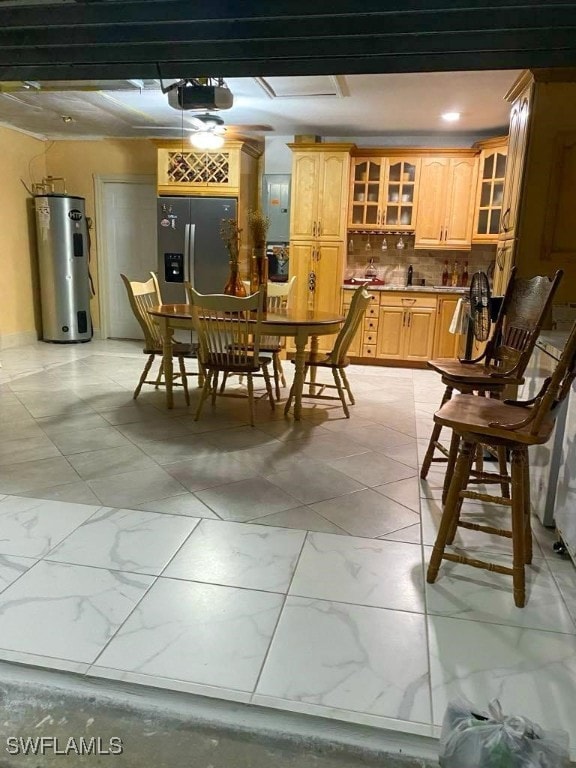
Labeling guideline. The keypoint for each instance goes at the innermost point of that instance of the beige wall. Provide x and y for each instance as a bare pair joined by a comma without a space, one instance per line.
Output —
79,161
22,157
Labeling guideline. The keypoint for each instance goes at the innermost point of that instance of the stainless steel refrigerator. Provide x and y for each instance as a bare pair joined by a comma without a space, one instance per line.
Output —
190,246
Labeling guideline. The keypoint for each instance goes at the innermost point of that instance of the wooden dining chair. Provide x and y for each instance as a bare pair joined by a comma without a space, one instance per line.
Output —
502,364
277,300
337,359
142,296
514,425
229,332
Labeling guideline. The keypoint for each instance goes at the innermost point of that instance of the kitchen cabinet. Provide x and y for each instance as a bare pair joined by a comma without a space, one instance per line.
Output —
364,342
222,172
446,344
383,193
490,189
406,327
503,266
318,267
517,144
447,194
320,182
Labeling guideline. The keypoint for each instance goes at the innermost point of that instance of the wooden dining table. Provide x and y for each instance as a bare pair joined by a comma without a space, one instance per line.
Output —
303,326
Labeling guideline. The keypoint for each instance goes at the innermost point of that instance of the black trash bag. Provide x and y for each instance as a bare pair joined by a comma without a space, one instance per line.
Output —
471,739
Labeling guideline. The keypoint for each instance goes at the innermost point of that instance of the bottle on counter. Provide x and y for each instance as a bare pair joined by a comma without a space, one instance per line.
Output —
455,274
464,280
371,272
445,274
409,275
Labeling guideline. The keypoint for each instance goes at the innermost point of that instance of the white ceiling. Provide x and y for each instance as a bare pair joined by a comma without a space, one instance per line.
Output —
342,106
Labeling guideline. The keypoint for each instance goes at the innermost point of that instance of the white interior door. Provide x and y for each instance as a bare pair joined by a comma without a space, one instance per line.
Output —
129,232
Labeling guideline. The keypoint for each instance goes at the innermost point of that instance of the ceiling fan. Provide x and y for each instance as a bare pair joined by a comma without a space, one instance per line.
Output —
207,131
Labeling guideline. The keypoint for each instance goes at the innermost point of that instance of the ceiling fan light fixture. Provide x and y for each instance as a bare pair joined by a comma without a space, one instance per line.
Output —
206,140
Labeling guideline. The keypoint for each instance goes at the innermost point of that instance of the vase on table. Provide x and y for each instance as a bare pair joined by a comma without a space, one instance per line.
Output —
234,286
259,273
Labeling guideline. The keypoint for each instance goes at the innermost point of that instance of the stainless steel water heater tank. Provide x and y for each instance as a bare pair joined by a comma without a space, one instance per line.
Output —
62,237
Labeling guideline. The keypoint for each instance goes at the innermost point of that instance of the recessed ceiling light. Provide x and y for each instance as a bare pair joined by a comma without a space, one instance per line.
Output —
451,117
67,119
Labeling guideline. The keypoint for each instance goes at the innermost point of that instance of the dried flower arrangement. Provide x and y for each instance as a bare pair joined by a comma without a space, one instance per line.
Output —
230,234
258,224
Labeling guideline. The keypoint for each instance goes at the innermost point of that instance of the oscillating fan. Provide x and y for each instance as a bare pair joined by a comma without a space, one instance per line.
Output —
480,306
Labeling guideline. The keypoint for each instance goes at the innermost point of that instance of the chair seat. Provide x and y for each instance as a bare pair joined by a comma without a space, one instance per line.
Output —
471,415
249,365
472,373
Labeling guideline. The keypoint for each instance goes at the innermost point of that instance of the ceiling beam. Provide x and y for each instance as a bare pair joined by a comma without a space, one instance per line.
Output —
118,39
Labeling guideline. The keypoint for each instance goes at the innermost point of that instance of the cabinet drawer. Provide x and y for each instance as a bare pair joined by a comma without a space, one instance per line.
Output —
372,309
369,350
347,300
371,323
369,337
408,302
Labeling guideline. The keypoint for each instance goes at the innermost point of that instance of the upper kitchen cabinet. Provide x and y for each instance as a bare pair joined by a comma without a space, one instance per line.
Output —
383,192
538,229
320,181
446,201
489,194
222,172
520,96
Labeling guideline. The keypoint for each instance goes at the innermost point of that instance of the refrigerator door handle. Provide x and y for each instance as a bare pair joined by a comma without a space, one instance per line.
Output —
190,250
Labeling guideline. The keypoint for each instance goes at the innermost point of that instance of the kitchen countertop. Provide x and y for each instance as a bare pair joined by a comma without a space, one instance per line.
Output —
553,342
414,288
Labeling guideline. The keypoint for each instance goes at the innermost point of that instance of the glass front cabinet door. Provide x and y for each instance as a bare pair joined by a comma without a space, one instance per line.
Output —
490,194
383,193
401,194
367,204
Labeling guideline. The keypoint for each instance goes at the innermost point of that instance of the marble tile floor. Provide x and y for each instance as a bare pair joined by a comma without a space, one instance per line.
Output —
281,565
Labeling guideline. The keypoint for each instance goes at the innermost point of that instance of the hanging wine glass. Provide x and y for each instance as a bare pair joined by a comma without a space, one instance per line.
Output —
400,244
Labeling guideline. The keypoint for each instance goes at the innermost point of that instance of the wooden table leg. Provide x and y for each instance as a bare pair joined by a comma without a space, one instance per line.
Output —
167,333
299,360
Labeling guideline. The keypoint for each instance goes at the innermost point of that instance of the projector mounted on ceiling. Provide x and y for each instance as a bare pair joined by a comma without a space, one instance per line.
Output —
200,93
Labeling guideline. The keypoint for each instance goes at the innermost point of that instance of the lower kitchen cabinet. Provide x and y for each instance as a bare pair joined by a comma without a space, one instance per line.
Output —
446,344
406,328
364,341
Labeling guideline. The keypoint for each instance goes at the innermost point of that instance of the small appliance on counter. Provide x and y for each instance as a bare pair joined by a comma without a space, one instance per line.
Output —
278,262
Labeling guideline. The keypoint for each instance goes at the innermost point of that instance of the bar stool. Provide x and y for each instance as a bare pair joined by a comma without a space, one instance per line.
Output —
513,425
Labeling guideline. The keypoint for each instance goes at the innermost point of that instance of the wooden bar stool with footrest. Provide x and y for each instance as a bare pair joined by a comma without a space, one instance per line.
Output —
503,362
513,425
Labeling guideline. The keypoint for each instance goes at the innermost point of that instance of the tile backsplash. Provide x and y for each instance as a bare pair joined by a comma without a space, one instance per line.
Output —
392,262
